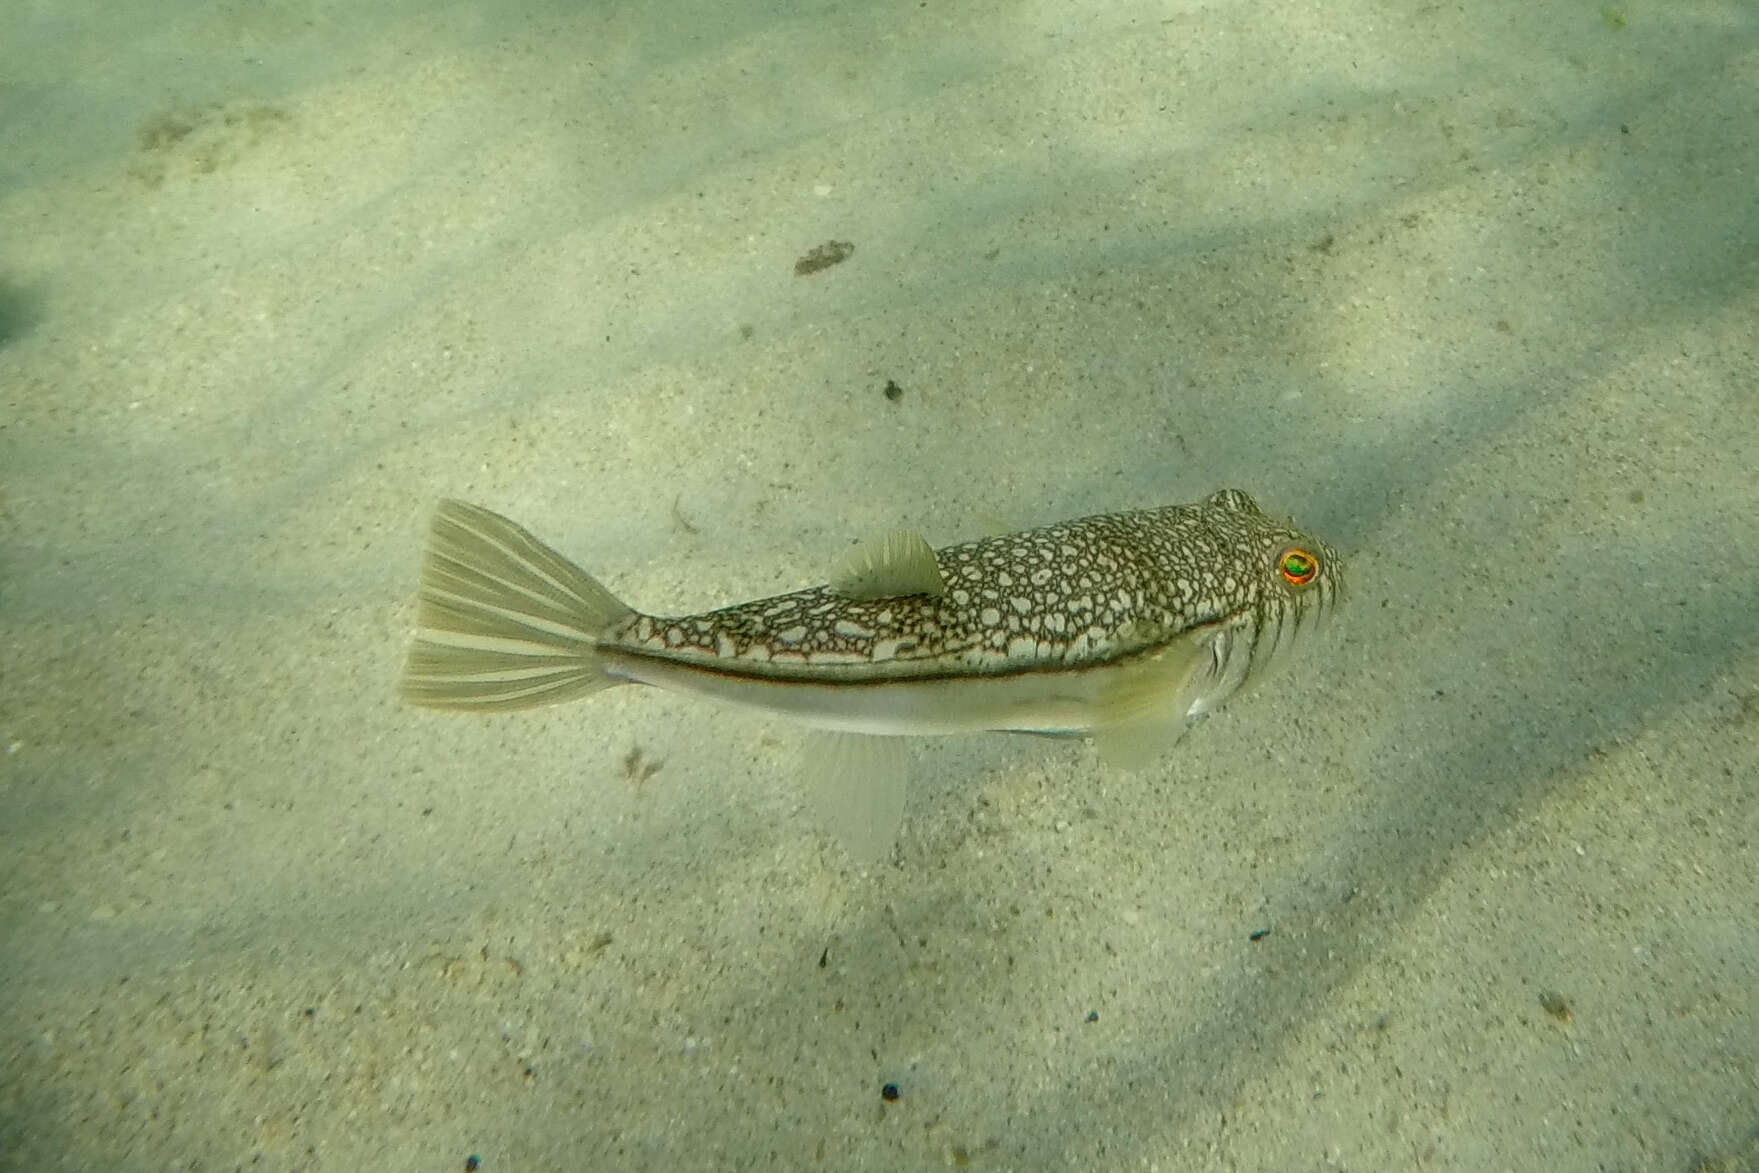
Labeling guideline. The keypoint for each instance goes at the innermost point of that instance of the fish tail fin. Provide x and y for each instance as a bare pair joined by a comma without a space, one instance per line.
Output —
504,621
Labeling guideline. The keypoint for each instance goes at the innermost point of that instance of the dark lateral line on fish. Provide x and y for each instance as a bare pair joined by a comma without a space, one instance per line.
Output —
710,669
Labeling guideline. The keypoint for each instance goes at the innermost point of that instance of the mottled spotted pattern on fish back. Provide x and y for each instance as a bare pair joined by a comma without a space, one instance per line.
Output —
1064,596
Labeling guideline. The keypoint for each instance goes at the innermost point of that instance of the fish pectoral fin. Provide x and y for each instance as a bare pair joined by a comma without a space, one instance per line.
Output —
899,563
1144,710
1136,745
859,782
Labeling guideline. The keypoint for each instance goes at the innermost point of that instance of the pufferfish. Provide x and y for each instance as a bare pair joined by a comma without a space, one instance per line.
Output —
1125,627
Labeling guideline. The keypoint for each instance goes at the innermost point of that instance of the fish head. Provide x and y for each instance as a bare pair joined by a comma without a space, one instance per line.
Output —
1288,582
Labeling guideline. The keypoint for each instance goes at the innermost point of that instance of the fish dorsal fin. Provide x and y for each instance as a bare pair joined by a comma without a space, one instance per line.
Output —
899,563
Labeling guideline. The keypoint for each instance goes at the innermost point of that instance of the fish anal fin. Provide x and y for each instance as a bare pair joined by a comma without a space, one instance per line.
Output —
859,783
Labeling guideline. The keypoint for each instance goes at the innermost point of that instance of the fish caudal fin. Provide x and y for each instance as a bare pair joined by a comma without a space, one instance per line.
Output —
504,622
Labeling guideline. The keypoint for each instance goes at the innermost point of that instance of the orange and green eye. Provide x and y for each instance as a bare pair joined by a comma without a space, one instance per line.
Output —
1297,566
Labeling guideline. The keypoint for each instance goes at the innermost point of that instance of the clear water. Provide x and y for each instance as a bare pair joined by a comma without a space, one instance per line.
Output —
1470,292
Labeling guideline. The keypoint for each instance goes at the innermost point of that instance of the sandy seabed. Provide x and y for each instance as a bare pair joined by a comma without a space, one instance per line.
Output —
1471,290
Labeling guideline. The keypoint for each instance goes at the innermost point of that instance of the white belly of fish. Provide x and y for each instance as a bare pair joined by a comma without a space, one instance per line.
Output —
1034,701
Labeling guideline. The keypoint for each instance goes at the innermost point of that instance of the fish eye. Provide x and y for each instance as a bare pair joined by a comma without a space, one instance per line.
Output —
1297,566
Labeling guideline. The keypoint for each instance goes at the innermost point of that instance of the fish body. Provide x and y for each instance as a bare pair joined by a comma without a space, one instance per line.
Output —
1123,625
